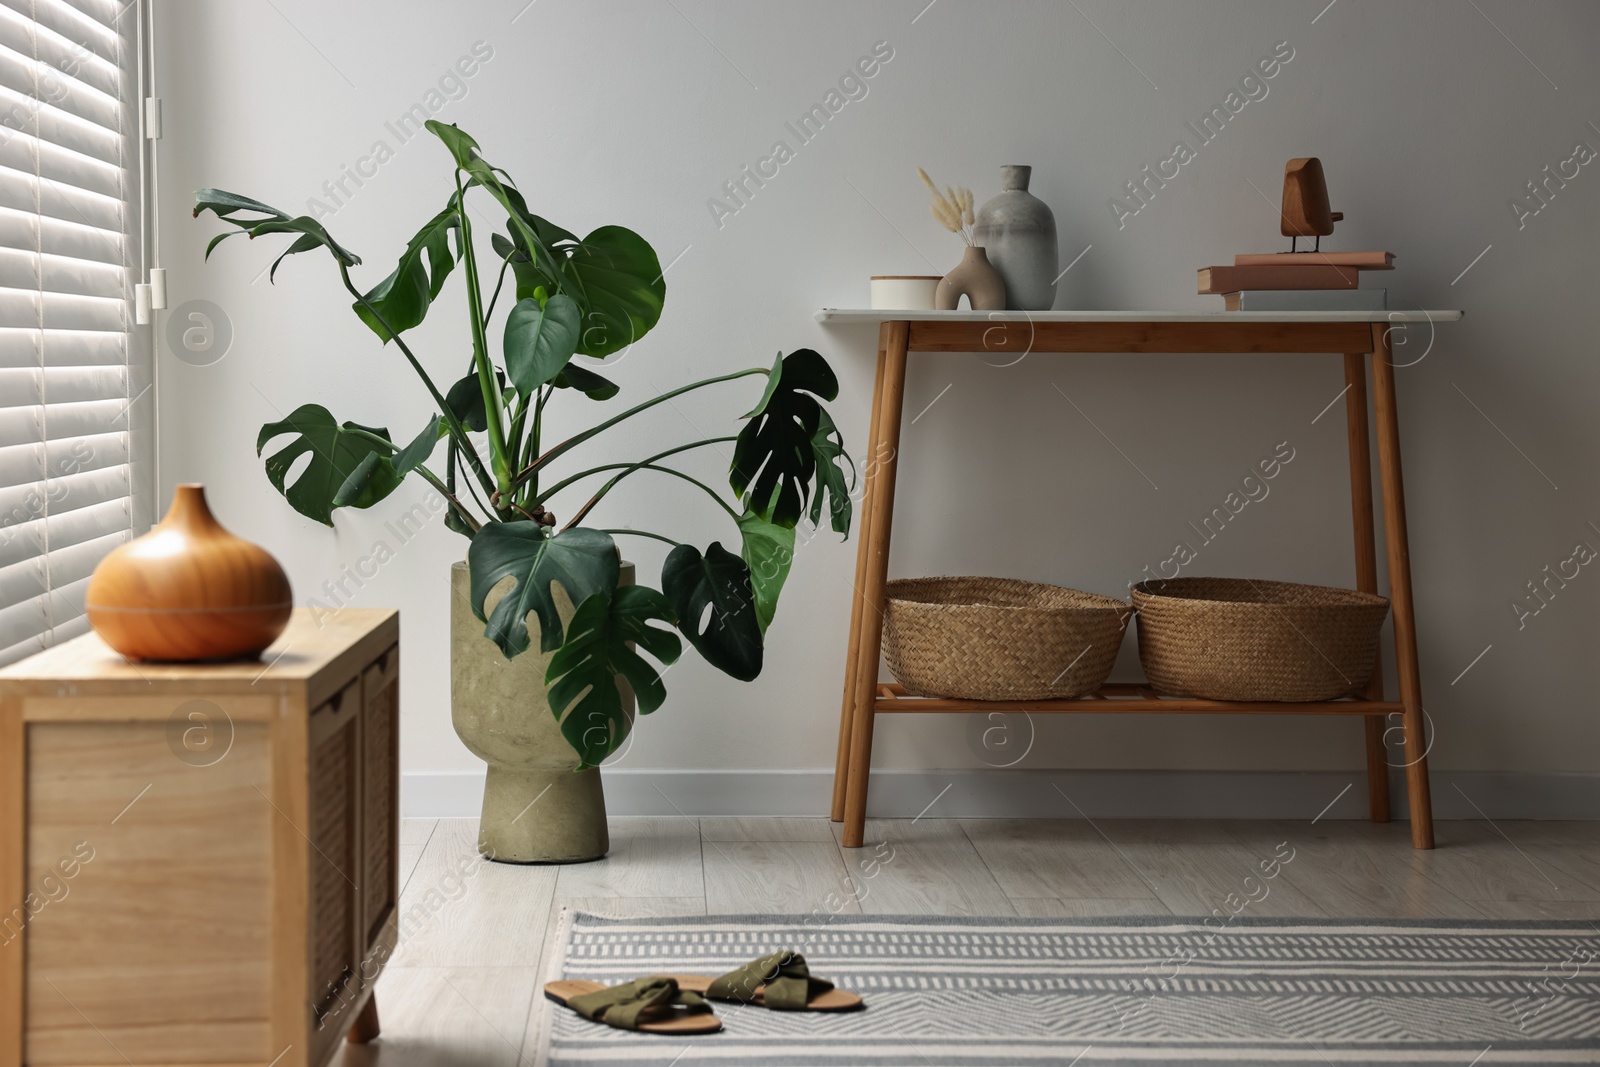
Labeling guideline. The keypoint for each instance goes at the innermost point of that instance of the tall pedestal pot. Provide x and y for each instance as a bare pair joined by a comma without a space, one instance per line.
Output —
536,807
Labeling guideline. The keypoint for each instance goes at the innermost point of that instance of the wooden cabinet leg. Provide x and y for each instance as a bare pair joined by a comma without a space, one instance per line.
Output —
365,1028
896,336
1355,407
847,704
1405,634
1377,768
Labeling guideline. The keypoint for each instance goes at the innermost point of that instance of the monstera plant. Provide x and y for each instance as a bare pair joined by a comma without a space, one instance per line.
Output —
576,298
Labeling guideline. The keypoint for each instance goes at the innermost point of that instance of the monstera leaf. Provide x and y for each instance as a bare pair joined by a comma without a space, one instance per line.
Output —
226,205
539,340
465,152
768,552
586,382
617,279
421,447
583,673
346,469
583,561
827,444
465,399
730,639
402,299
786,444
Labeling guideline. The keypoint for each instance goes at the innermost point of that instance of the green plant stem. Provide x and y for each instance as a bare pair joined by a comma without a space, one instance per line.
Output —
514,447
466,516
457,431
428,475
480,356
626,468
545,393
712,493
572,442
498,282
645,533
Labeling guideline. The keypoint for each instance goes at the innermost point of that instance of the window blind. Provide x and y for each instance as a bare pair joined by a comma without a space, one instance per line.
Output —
72,371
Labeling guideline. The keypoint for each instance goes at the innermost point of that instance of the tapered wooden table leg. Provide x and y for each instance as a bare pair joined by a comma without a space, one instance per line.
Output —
1405,634
841,768
365,1028
896,337
1355,407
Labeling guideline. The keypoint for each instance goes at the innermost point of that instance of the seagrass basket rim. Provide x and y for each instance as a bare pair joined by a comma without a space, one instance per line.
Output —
968,592
1205,589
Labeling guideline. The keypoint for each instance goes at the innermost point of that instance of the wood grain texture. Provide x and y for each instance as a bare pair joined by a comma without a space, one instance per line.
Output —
1404,610
777,878
1305,211
187,938
460,1016
313,659
1501,871
1359,448
764,829
286,795
1338,866
1177,338
920,867
189,590
460,909
1086,907
1120,698
1054,858
886,451
863,555
174,900
1217,877
654,857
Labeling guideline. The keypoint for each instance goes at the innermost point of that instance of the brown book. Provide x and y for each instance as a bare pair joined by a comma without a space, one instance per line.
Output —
1222,280
1359,260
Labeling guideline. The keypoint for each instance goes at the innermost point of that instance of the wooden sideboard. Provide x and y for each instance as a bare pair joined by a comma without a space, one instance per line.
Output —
199,862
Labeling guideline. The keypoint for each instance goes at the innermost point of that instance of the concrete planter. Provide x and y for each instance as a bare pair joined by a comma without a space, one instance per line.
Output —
536,807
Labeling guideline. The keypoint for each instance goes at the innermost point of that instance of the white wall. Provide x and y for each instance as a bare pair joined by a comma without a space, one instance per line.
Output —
1428,119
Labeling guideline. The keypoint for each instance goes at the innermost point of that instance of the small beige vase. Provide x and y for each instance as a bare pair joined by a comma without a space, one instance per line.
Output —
536,807
976,279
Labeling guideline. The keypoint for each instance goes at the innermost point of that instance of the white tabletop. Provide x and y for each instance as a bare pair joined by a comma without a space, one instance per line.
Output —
875,315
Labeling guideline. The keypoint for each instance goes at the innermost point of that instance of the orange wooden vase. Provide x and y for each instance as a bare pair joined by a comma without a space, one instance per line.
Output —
189,590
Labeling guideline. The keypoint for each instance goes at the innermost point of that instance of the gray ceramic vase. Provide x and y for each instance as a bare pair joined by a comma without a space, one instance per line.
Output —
1019,233
536,807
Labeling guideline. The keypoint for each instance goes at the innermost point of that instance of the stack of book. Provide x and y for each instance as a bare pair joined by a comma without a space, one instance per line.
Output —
1298,281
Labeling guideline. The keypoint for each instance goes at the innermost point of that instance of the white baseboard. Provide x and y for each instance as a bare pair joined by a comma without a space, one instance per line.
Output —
981,794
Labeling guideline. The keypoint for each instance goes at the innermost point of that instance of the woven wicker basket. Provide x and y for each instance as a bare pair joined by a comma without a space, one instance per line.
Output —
1243,639
1000,639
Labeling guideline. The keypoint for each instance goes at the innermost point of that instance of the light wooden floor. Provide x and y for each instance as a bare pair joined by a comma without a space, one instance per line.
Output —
463,988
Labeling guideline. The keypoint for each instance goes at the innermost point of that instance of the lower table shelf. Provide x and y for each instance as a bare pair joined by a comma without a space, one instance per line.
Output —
1127,698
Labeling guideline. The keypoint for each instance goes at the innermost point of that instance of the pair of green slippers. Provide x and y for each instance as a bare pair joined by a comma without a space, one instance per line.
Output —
680,1003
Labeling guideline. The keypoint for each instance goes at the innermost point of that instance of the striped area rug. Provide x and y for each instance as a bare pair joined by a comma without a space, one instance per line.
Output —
952,992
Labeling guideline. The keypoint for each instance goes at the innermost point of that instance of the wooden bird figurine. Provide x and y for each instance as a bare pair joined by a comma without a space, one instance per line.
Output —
1305,202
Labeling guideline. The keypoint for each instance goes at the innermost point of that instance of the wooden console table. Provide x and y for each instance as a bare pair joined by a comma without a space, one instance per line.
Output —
199,862
1354,335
